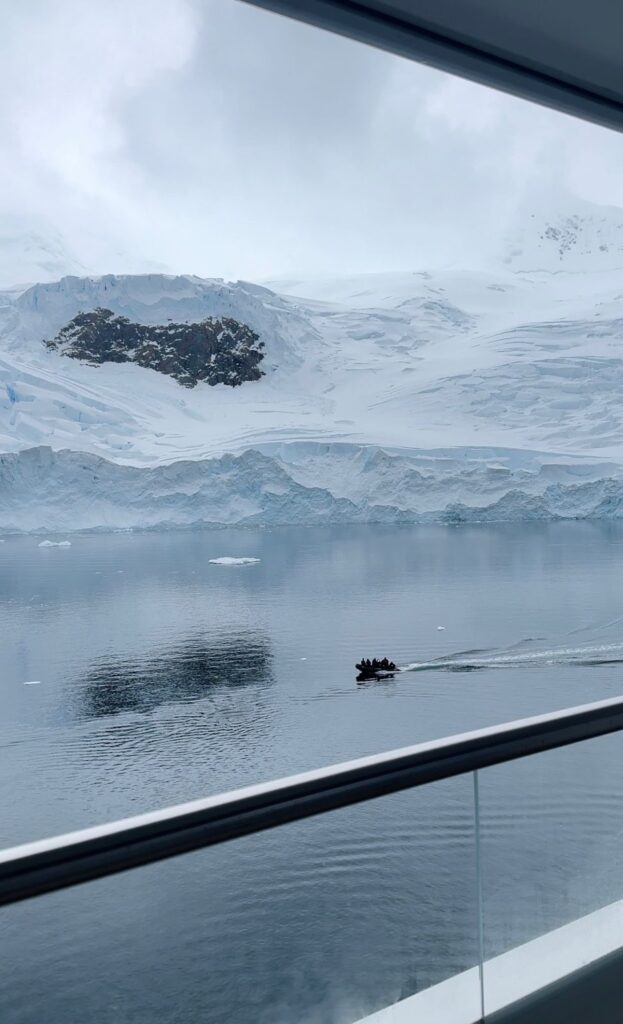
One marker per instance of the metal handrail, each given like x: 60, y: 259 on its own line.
x: 51, y: 864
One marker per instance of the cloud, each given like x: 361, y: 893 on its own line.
x: 70, y: 70
x: 218, y: 139
x: 67, y: 71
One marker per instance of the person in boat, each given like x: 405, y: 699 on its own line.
x: 370, y: 668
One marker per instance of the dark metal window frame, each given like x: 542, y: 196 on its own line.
x: 374, y: 25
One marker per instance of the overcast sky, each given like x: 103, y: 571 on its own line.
x: 217, y: 139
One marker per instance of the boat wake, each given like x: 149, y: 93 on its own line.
x: 523, y: 655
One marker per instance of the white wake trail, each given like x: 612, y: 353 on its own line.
x: 465, y: 661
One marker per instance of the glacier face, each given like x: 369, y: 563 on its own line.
x: 305, y: 484
x: 410, y: 397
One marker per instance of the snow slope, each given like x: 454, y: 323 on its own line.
x: 33, y: 251
x: 394, y: 397
x: 560, y: 233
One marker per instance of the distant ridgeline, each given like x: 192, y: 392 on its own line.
x: 218, y: 351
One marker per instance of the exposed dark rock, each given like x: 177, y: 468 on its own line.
x: 217, y: 351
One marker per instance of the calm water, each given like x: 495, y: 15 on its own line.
x: 161, y: 677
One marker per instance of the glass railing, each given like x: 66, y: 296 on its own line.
x: 469, y: 882
x: 324, y: 920
x: 551, y: 837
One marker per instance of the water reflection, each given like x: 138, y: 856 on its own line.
x: 185, y: 672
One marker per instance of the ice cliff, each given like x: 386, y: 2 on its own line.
x: 45, y: 491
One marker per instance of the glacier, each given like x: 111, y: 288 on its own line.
x: 310, y: 485
x: 479, y: 395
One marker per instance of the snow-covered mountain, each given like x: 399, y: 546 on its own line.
x: 411, y: 397
x: 34, y: 250
x: 31, y: 250
x: 559, y: 233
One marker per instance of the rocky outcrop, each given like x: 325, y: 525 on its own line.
x: 214, y: 350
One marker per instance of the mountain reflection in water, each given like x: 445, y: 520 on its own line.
x: 181, y: 673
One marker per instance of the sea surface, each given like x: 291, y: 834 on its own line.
x: 136, y: 674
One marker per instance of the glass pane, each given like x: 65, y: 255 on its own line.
x: 552, y: 874
x: 328, y: 920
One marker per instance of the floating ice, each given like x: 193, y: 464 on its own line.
x: 55, y: 544
x: 441, y: 627
x: 228, y: 560
x: 32, y: 682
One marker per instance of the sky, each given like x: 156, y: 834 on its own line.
x: 213, y: 138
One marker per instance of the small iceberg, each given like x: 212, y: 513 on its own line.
x: 55, y: 544
x: 228, y: 560
x: 32, y: 682
x: 441, y: 627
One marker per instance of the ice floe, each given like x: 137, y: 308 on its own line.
x: 229, y: 560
